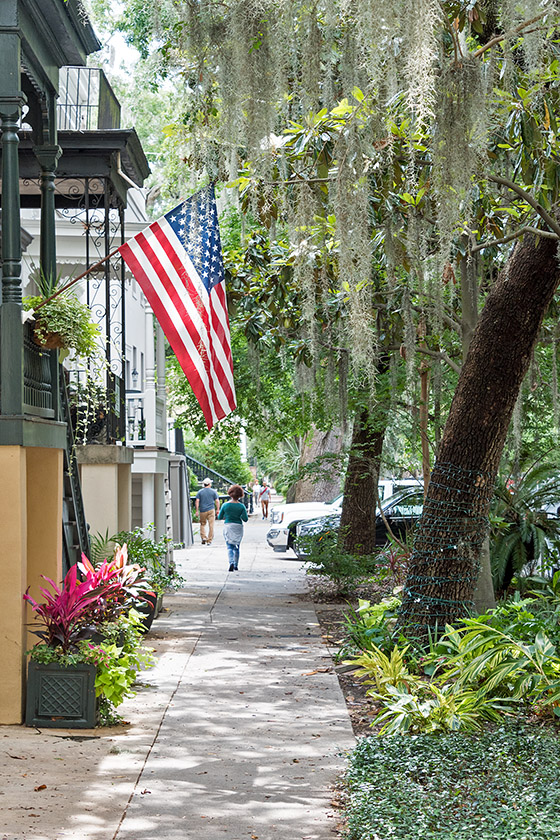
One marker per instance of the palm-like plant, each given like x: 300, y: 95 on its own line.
x: 521, y: 525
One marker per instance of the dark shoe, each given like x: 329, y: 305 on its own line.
x: 231, y: 567
x: 235, y: 569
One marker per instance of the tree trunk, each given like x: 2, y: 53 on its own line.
x: 357, y: 524
x: 445, y: 562
x: 322, y: 450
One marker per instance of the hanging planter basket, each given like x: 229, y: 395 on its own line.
x: 61, y: 696
x: 47, y: 340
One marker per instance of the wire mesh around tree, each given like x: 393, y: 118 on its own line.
x: 444, y: 565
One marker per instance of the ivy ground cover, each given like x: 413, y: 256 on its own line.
x: 499, y: 784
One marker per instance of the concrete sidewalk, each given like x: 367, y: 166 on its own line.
x: 237, y: 733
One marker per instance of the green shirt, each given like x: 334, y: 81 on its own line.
x: 233, y: 512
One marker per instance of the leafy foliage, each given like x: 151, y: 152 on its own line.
x: 370, y: 625
x: 502, y: 665
x: 499, y: 785
x: 343, y: 569
x: 521, y: 524
x: 64, y: 615
x: 152, y: 554
x: 70, y: 319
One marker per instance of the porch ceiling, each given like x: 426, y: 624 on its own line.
x: 85, y: 154
x: 52, y: 33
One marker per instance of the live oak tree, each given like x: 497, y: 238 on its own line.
x: 428, y: 129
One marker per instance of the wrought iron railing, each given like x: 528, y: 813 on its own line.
x: 38, y: 396
x: 98, y: 415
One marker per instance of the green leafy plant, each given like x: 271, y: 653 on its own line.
x: 521, y: 526
x: 501, y: 665
x: 433, y: 708
x: 144, y: 551
x: 383, y: 671
x: 345, y: 570
x: 118, y: 659
x: 65, y: 317
x: 499, y: 784
x: 371, y: 625
x: 411, y: 703
x: 117, y: 671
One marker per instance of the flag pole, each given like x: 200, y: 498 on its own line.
x: 75, y: 280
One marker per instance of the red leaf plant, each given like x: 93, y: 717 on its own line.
x: 126, y: 580
x: 74, y: 610
x: 65, y: 613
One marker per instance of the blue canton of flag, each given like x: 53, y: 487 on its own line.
x: 195, y: 222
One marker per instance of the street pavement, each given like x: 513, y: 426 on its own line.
x: 239, y: 732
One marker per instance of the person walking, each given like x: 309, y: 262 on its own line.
x: 265, y: 499
x: 207, y: 505
x: 234, y: 514
x: 256, y: 494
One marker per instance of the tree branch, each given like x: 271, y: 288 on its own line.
x: 439, y: 354
x: 527, y: 229
x: 545, y: 216
x: 451, y: 323
x: 515, y: 31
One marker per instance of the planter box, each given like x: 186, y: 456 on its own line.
x: 147, y: 609
x: 60, y: 696
x: 159, y: 604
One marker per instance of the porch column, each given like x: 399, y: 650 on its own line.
x: 148, y: 500
x: 11, y: 331
x: 48, y: 160
x: 161, y: 414
x: 150, y: 386
x: 48, y: 156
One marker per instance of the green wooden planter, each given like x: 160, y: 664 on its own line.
x: 60, y: 696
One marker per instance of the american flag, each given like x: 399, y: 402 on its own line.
x: 177, y: 262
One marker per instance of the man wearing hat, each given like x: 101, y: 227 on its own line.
x: 207, y: 505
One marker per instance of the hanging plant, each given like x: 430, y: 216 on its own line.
x: 61, y: 321
x: 64, y: 323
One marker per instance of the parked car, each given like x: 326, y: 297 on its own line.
x: 402, y: 511
x: 283, y: 519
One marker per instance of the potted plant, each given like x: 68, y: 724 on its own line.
x: 89, y: 644
x: 60, y: 320
x: 160, y: 573
x: 60, y: 680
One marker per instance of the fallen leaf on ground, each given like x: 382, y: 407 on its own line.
x: 40, y: 787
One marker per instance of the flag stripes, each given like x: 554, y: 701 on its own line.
x: 189, y: 299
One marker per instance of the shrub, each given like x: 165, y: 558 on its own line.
x: 371, y: 625
x: 343, y: 569
x: 499, y: 785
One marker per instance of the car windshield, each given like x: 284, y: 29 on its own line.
x: 337, y: 501
x: 415, y: 496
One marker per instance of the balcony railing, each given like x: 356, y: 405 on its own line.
x: 139, y: 430
x: 97, y: 413
x: 135, y: 420
x: 37, y: 378
x: 86, y: 101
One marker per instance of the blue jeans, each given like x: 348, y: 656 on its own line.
x: 233, y: 554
